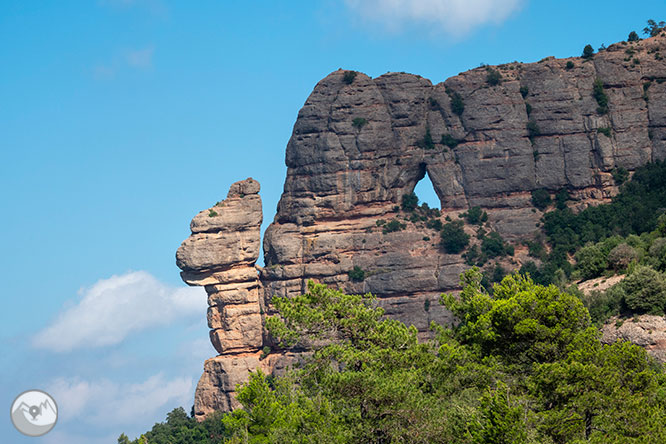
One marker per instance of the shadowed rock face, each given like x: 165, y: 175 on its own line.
x: 358, y: 147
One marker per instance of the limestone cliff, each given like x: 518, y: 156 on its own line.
x: 359, y: 144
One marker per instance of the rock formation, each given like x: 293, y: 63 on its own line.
x: 648, y: 331
x: 359, y: 144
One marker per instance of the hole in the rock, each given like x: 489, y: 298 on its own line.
x: 426, y: 192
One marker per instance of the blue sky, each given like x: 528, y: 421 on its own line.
x: 121, y: 119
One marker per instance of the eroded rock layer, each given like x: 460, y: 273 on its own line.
x: 359, y: 144
x: 220, y: 255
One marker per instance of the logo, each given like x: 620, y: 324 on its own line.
x: 34, y: 413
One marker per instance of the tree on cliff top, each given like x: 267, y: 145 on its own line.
x: 653, y: 28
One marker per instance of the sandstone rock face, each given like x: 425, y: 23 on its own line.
x: 220, y: 255
x: 648, y: 331
x: 358, y: 147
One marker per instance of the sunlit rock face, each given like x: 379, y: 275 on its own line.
x: 359, y: 144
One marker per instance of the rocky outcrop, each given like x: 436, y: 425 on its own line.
x: 359, y: 144
x: 220, y: 255
x: 648, y: 331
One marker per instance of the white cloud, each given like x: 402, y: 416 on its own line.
x: 451, y: 16
x: 116, y: 307
x: 106, y: 403
x: 59, y: 436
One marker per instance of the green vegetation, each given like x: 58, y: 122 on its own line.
x: 624, y: 236
x: 475, y: 216
x: 265, y: 351
x: 392, y: 226
x: 569, y: 65
x: 357, y: 274
x: 645, y: 291
x: 457, y: 104
x: 588, y: 52
x: 494, y: 246
x: 653, y: 28
x: 434, y: 224
x: 590, y: 261
x: 212, y: 213
x: 182, y: 429
x: 541, y: 198
x: 533, y: 129
x: 524, y: 90
x: 621, y: 256
x: 528, y: 108
x: 600, y: 96
x: 523, y: 366
x: 606, y: 131
x: 620, y: 175
x: 410, y: 201
x: 493, y: 76
x: 427, y: 142
x: 450, y: 141
x: 359, y: 122
x: 349, y: 76
x: 633, y: 37
x: 633, y: 211
x: 454, y: 239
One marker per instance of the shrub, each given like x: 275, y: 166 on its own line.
x: 434, y: 224
x: 476, y: 216
x: 410, y: 201
x: 588, y: 52
x: 392, y: 226
x: 434, y: 104
x: 357, y: 274
x: 212, y: 213
x: 359, y: 122
x: 621, y: 256
x: 606, y: 131
x: 603, y: 305
x: 457, y: 104
x: 570, y: 65
x: 645, y: 291
x: 524, y: 90
x: 541, y: 198
x: 493, y: 77
x: 600, y: 96
x: 561, y: 199
x: 657, y: 253
x: 633, y: 37
x: 494, y: 246
x: 449, y: 140
x: 590, y: 261
x: 473, y: 256
x: 498, y: 273
x: 454, y: 239
x: 528, y: 108
x: 349, y: 77
x: 620, y: 175
x: 533, y: 129
x: 427, y: 142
